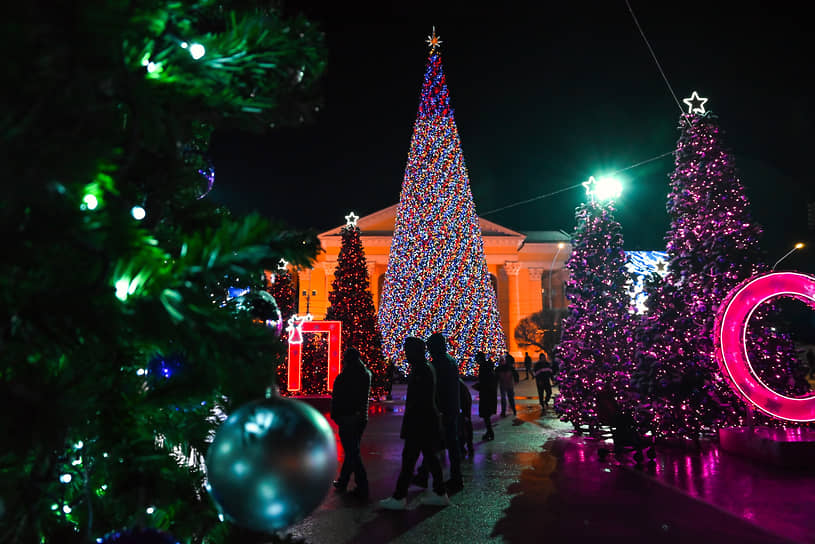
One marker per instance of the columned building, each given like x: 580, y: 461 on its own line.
x: 526, y: 269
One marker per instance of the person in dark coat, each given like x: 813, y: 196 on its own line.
x: 507, y: 378
x: 349, y: 409
x: 465, y: 421
x: 528, y: 365
x: 421, y: 430
x: 449, y: 403
x: 487, y: 387
x: 543, y: 379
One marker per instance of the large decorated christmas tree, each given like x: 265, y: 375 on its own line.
x: 713, y: 245
x: 595, y: 347
x: 352, y: 303
x: 116, y: 258
x: 437, y: 278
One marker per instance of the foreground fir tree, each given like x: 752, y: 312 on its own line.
x: 352, y: 303
x: 115, y: 257
x: 713, y: 245
x: 595, y: 347
x: 437, y: 278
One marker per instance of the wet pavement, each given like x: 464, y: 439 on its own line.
x: 538, y: 481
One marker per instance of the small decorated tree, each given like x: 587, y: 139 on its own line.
x: 352, y: 303
x: 594, y: 349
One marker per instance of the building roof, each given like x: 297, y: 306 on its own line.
x: 383, y: 223
x: 545, y: 236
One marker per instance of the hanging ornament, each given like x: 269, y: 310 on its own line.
x: 271, y: 463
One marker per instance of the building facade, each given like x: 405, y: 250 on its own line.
x: 527, y: 269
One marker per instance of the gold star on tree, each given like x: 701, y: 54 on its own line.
x: 433, y: 41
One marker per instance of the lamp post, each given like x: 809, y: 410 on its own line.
x: 799, y: 245
x: 560, y: 246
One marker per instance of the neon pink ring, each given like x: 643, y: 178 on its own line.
x: 730, y: 332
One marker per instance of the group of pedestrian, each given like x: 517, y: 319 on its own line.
x: 437, y: 416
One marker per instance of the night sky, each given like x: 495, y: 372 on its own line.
x: 543, y: 99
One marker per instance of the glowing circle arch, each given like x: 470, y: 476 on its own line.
x: 730, y: 333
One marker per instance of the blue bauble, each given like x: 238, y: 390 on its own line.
x: 271, y: 463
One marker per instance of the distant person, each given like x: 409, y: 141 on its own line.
x: 487, y: 387
x: 449, y: 402
x: 465, y: 420
x: 507, y: 377
x: 543, y: 379
x: 349, y: 409
x: 528, y: 365
x: 421, y: 430
x: 390, y: 377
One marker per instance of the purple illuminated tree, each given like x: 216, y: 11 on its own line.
x: 712, y: 245
x: 437, y: 278
x: 594, y: 349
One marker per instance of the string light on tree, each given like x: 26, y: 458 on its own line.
x: 197, y: 50
x: 138, y: 213
x: 695, y: 103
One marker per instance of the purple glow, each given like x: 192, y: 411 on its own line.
x: 731, y: 339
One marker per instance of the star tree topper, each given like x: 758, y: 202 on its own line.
x: 283, y: 265
x: 696, y: 104
x: 590, y: 185
x: 433, y: 41
x: 351, y: 220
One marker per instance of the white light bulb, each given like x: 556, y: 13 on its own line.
x: 184, y: 45
x: 152, y: 67
x: 90, y: 202
x: 79, y: 445
x: 66, y: 509
x: 150, y: 509
x: 138, y: 213
x: 197, y: 51
x: 65, y: 478
x: 121, y: 289
x: 140, y: 372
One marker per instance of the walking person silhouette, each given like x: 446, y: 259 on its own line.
x: 421, y: 430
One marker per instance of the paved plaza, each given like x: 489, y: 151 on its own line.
x: 539, y: 482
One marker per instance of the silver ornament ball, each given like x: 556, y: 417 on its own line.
x: 271, y: 463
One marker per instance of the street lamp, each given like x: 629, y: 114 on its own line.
x: 799, y: 245
x: 560, y: 246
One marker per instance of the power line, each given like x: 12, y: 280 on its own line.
x: 575, y: 186
x: 654, y: 56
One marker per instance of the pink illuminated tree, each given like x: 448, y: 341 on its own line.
x: 595, y: 346
x: 712, y: 245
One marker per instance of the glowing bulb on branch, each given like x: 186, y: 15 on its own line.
x: 138, y: 213
x: 197, y: 50
x: 89, y: 202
